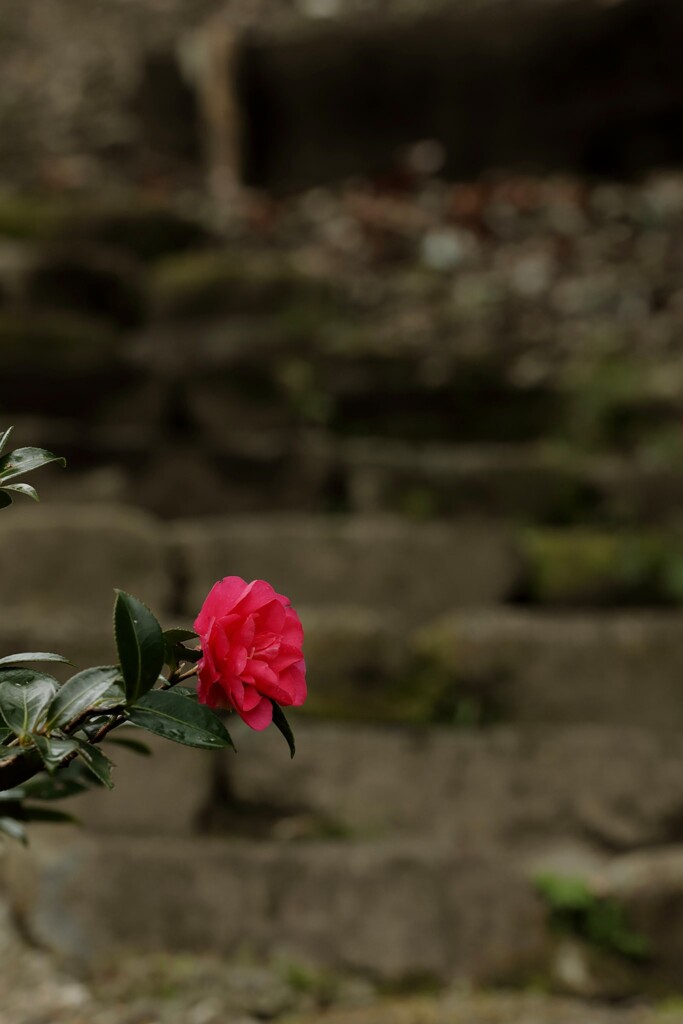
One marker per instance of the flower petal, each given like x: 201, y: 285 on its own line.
x: 257, y: 594
x: 250, y: 699
x: 260, y: 717
x: 293, y: 682
x: 293, y: 632
x: 271, y: 618
x: 219, y: 602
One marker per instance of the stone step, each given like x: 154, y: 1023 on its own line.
x: 614, y: 788
x: 63, y: 562
x: 310, y: 471
x: 508, y: 789
x: 468, y: 670
x: 488, y: 1008
x: 541, y: 667
x: 527, y: 483
x: 136, y: 227
x: 391, y: 911
x: 380, y: 563
x: 440, y: 385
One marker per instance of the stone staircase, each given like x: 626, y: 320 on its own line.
x: 467, y: 477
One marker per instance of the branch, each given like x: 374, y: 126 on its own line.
x: 21, y: 767
x: 16, y: 770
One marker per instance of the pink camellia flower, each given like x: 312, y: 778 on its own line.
x: 251, y: 650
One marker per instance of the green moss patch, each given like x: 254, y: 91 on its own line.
x: 588, y: 567
x: 214, y: 282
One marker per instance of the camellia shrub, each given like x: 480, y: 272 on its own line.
x: 244, y: 655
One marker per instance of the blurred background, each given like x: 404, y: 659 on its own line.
x: 381, y: 302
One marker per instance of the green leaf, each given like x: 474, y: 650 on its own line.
x: 25, y: 489
x: 47, y: 814
x: 13, y: 828
x: 5, y: 734
x: 24, y: 698
x: 175, y: 652
x: 187, y: 654
x: 53, y: 749
x: 98, y: 763
x: 140, y: 644
x: 186, y: 691
x: 173, y: 716
x: 179, y: 636
x: 281, y: 723
x: 135, y: 745
x: 5, y: 499
x: 18, y: 659
x: 46, y: 787
x: 25, y: 460
x: 4, y: 437
x: 79, y: 693
x: 112, y: 698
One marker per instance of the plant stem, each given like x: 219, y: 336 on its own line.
x: 21, y: 767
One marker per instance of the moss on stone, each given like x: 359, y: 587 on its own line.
x: 141, y: 228
x: 149, y: 231
x: 213, y: 282
x: 32, y: 218
x: 58, y: 344
x: 588, y: 567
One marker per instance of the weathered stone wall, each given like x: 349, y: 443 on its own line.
x: 446, y: 420
x: 98, y: 94
x: 448, y: 426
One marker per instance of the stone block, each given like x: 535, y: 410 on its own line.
x: 472, y: 1007
x: 391, y: 911
x: 356, y: 661
x: 504, y: 788
x: 215, y: 282
x: 83, y: 642
x: 442, y: 480
x: 528, y: 668
x: 162, y: 795
x: 64, y: 562
x: 648, y: 885
x: 382, y: 563
x: 140, y: 228
x: 59, y: 361
x: 88, y: 280
x: 528, y: 483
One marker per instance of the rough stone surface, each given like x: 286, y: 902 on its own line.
x: 619, y: 788
x: 64, y: 562
x: 356, y: 660
x: 161, y: 795
x: 525, y: 482
x: 491, y: 1009
x: 83, y: 643
x: 380, y: 563
x: 622, y: 667
x: 650, y: 887
x: 392, y: 911
x: 204, y: 989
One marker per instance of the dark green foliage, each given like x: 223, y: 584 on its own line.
x: 79, y: 694
x: 140, y: 645
x: 281, y: 723
x: 25, y: 697
x: 598, y: 920
x: 15, y: 464
x: 177, y: 718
